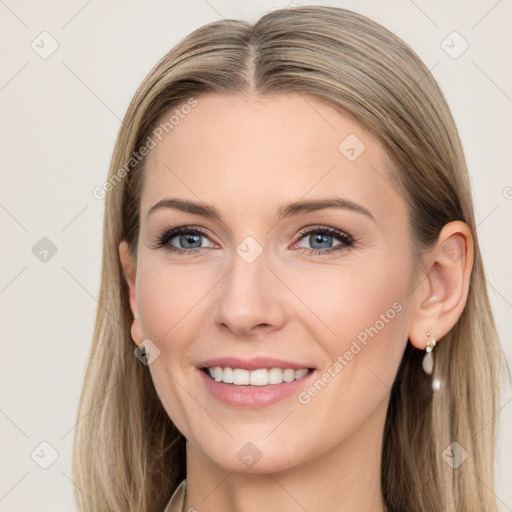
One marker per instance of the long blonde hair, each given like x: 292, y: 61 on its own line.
x: 128, y: 455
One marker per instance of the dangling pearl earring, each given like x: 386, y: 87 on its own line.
x: 428, y: 359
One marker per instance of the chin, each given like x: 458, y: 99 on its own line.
x: 260, y: 457
x: 270, y: 464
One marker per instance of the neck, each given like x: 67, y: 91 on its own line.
x: 344, y: 478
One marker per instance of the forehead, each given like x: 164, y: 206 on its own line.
x: 251, y: 152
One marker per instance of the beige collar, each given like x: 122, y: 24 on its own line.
x: 177, y: 501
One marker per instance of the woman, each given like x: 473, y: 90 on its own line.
x: 293, y: 305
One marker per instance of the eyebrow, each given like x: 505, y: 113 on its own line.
x: 289, y: 210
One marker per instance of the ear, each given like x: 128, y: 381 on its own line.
x: 129, y: 267
x: 441, y: 296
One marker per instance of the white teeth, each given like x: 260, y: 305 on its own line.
x: 240, y: 377
x: 289, y: 375
x: 300, y: 373
x: 260, y: 377
x: 275, y: 376
x: 227, y: 376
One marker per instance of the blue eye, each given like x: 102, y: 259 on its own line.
x: 190, y: 238
x: 325, y: 235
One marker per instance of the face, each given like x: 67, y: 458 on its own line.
x: 322, y: 293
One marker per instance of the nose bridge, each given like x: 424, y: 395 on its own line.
x: 248, y: 294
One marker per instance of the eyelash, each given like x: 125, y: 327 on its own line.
x: 346, y: 240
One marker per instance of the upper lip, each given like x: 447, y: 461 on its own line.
x: 254, y: 363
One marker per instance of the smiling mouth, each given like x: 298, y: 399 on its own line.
x: 259, y: 377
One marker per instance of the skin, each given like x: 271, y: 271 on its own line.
x: 266, y: 152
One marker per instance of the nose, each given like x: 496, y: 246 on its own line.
x: 250, y: 298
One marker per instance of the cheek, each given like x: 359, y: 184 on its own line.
x: 168, y: 298
x: 367, y: 316
x: 364, y: 313
x: 168, y: 295
x: 350, y: 297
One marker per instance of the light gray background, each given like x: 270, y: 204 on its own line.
x: 60, y: 117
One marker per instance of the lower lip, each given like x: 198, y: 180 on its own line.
x: 253, y: 397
